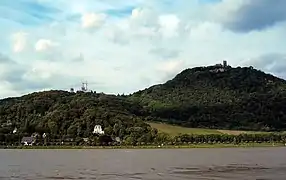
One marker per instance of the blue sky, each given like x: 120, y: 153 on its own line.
x: 122, y: 46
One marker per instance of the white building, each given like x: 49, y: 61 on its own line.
x: 98, y: 130
x: 15, y: 130
x: 44, y: 135
x: 28, y: 141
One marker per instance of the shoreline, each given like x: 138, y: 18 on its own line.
x: 190, y: 146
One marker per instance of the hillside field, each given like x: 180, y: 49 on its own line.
x: 175, y: 130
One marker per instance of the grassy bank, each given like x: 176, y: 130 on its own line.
x: 174, y: 130
x: 245, y: 145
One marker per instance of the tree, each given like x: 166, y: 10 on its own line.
x: 72, y: 131
x: 53, y: 126
x: 108, y: 130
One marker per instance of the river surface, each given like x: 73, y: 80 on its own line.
x: 155, y: 164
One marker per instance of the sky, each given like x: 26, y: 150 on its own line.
x: 121, y: 46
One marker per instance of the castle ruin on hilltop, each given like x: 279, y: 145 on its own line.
x: 220, y: 67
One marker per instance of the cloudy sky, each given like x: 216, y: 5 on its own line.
x: 121, y: 46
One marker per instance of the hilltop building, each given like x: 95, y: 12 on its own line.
x: 224, y: 63
x: 220, y: 67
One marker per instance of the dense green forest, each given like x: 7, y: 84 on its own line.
x: 233, y: 98
x: 65, y: 115
x: 208, y: 97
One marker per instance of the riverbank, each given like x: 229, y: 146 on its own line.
x: 246, y: 145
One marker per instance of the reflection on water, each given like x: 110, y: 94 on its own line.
x: 215, y: 164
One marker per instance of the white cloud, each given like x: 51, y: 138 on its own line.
x: 44, y: 44
x: 142, y: 14
x: 219, y: 11
x: 41, y: 71
x: 169, y: 25
x: 92, y: 20
x: 171, y: 66
x: 144, y: 45
x: 19, y: 41
x: 205, y: 31
x: 144, y: 17
x: 6, y: 90
x: 136, y: 13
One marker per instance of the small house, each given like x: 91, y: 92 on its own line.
x: 98, y: 130
x: 28, y: 141
x: 15, y: 130
x: 44, y: 135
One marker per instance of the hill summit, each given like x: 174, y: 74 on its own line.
x: 218, y: 97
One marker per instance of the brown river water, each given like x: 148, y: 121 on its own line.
x: 155, y: 164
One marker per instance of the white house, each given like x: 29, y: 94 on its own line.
x: 15, y: 130
x: 28, y: 141
x: 98, y: 130
x: 44, y: 135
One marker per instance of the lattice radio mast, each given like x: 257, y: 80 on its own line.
x: 84, y: 86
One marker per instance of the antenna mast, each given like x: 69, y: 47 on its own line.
x: 84, y: 86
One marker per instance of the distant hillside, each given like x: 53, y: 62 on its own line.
x: 68, y: 115
x: 214, y: 97
x: 218, y: 97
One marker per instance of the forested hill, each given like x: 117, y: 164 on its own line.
x: 210, y: 97
x: 68, y: 115
x: 218, y: 97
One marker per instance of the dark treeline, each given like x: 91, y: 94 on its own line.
x: 157, y: 139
